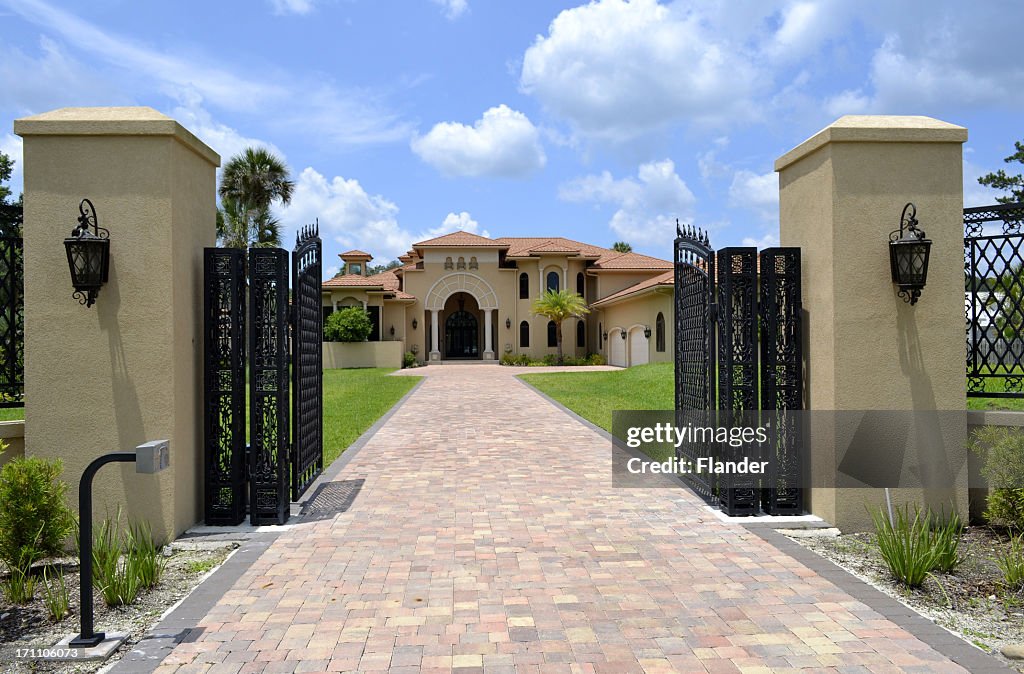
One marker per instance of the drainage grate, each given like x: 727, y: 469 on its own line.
x: 330, y: 499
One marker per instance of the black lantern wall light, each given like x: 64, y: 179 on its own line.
x: 908, y: 255
x: 88, y: 255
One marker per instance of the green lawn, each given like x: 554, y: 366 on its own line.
x: 353, y: 401
x: 593, y: 395
x: 12, y: 413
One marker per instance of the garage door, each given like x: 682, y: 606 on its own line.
x: 616, y: 349
x: 638, y: 350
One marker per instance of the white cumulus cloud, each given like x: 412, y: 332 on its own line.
x: 292, y: 6
x: 501, y: 143
x: 452, y: 9
x: 646, y: 206
x: 757, y: 192
x: 351, y: 217
x: 617, y: 69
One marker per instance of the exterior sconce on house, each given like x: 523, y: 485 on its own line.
x: 392, y: 331
x: 414, y: 323
x: 908, y: 255
x: 622, y: 333
x: 647, y: 331
x: 508, y: 323
x: 88, y: 255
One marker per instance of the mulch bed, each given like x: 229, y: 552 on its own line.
x: 30, y: 627
x: 970, y: 601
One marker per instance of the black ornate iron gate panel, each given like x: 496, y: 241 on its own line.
x: 737, y: 365
x: 994, y: 300
x: 695, y: 374
x: 738, y: 359
x: 224, y: 385
x: 12, y: 308
x: 307, y: 361
x: 269, y: 408
x: 782, y: 379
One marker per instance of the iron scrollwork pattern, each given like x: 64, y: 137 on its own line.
x: 994, y: 301
x: 782, y: 383
x: 307, y: 361
x: 224, y: 385
x: 737, y: 366
x: 695, y: 344
x: 268, y: 394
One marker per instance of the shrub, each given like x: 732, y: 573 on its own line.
x: 905, y: 545
x: 143, y: 554
x: 945, y: 542
x: 516, y: 360
x: 1011, y: 563
x: 55, y: 596
x: 119, y: 582
x: 549, y: 359
x: 351, y: 324
x: 20, y: 586
x: 1003, y: 449
x: 409, y: 359
x: 35, y: 520
x: 596, y: 359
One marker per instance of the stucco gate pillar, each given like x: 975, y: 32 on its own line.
x: 841, y: 193
x: 128, y: 369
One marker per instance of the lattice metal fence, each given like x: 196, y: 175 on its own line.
x: 307, y: 365
x: 994, y: 300
x: 12, y: 308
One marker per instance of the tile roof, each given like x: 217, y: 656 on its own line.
x: 356, y: 253
x: 631, y: 261
x: 459, y: 238
x: 352, y: 281
x: 386, y: 280
x: 666, y: 279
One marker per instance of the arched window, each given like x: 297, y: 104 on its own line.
x: 581, y: 286
x: 553, y: 281
x: 448, y: 263
x: 581, y: 334
x: 600, y: 336
x: 659, y: 333
x: 524, y: 334
x: 473, y: 263
x: 552, y: 334
x: 461, y: 264
x: 524, y: 286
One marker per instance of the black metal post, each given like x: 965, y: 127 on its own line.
x: 86, y: 637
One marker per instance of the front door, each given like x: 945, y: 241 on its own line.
x: 460, y: 330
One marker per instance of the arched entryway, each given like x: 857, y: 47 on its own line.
x: 462, y: 330
x: 479, y: 299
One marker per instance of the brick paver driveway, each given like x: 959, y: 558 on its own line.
x: 487, y: 537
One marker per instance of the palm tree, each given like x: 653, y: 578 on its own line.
x: 250, y: 183
x: 558, y: 305
x: 622, y: 247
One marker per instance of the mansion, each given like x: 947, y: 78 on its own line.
x: 467, y: 297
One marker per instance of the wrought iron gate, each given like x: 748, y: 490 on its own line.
x: 224, y: 383
x: 283, y: 342
x: 307, y: 365
x: 994, y: 300
x: 739, y: 357
x: 12, y: 308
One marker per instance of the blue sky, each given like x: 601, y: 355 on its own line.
x: 404, y: 119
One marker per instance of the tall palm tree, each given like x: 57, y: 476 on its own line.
x: 558, y: 305
x: 622, y: 247
x: 250, y: 183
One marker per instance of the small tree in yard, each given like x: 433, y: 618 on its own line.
x: 1000, y: 180
x: 351, y: 324
x: 558, y: 305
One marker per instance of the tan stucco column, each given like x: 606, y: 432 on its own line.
x: 435, y: 347
x: 488, y: 351
x: 128, y: 369
x: 841, y: 193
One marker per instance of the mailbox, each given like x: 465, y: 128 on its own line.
x: 153, y: 456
